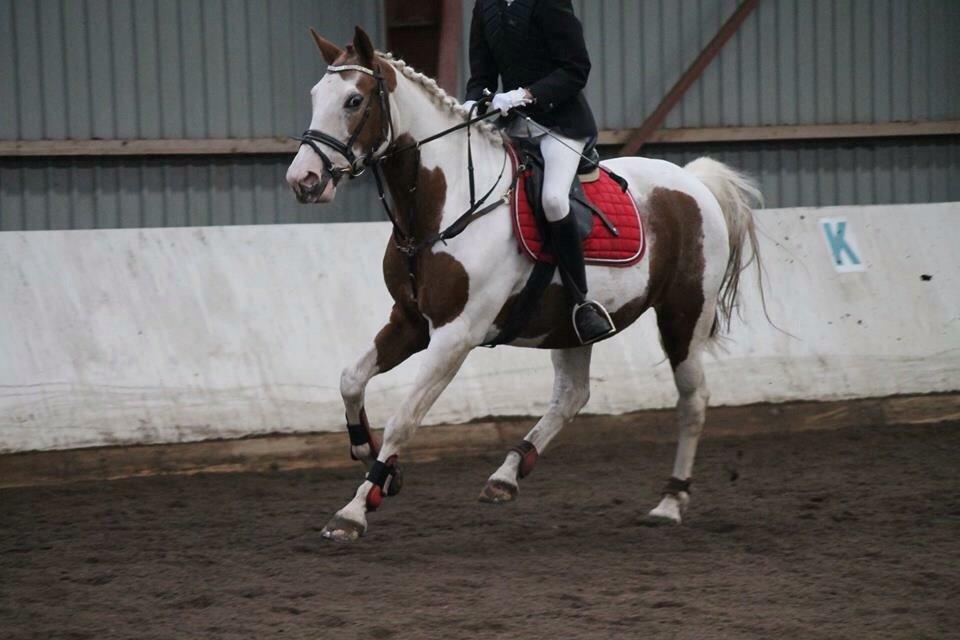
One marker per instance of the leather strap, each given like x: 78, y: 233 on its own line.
x: 386, y: 476
x: 358, y: 434
x: 676, y: 485
x: 379, y: 473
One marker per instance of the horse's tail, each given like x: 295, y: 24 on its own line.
x: 737, y: 194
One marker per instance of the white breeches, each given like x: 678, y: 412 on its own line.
x: 560, y: 166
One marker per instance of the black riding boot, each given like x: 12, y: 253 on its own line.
x: 590, y: 320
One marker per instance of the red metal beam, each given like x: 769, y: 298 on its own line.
x: 448, y: 67
x: 655, y: 119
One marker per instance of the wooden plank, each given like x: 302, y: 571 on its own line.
x: 655, y: 120
x: 208, y: 146
x: 449, y: 48
x: 788, y: 132
x: 494, y: 437
x: 261, y: 146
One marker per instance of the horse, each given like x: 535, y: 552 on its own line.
x: 372, y: 110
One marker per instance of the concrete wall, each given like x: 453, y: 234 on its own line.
x: 178, y: 334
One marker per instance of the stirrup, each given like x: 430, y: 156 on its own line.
x: 602, y: 312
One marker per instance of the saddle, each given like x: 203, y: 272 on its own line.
x: 606, y: 214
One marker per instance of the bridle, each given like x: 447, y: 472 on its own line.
x: 403, y: 239
x: 311, y: 137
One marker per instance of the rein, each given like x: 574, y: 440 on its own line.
x: 403, y: 240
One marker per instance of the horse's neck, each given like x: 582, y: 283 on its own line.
x: 419, y: 117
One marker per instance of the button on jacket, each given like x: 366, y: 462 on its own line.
x: 536, y: 44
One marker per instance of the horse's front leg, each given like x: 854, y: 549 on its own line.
x: 571, y: 390
x: 447, y: 350
x: 404, y: 335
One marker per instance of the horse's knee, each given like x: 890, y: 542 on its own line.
x: 351, y: 384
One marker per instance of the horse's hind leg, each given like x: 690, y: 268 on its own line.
x: 571, y: 390
x: 685, y: 351
x: 400, y: 338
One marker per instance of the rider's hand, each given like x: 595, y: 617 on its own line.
x: 504, y: 102
x: 468, y: 105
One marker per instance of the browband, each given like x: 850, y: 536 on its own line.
x: 351, y: 67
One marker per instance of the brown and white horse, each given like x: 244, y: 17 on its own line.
x: 697, y: 220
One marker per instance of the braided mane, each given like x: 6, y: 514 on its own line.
x: 441, y: 97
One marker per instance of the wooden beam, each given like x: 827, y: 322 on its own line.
x: 655, y: 119
x: 176, y: 147
x: 787, y: 132
x: 326, y: 450
x: 275, y: 146
x: 448, y: 62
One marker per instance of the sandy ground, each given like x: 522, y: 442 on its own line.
x: 850, y: 533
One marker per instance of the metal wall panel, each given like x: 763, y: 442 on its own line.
x: 839, y: 172
x: 792, y: 61
x: 243, y: 68
x: 165, y: 68
x: 89, y: 193
x: 121, y: 192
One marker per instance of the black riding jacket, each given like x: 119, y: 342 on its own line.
x: 536, y: 44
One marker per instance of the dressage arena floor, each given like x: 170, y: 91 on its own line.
x: 845, y: 533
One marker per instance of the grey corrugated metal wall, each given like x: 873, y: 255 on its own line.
x: 164, y: 69
x: 807, y: 174
x: 88, y: 193
x: 242, y: 68
x: 793, y: 62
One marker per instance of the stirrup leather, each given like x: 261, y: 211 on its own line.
x: 603, y: 312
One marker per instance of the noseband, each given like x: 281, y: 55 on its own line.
x: 311, y: 137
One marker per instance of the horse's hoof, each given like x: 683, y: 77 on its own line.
x: 667, y: 512
x: 343, y: 530
x: 658, y: 520
x: 498, y: 491
x: 396, y: 482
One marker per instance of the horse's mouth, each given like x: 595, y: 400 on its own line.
x: 319, y: 193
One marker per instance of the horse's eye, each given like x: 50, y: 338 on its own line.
x: 353, y: 101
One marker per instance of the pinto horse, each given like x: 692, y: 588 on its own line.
x: 369, y: 111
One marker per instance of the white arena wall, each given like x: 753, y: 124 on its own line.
x: 179, y: 334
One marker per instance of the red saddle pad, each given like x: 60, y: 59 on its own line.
x: 601, y: 247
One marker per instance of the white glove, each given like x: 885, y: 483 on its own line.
x: 469, y: 105
x: 503, y: 102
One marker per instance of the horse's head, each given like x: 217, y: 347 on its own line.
x: 350, y: 120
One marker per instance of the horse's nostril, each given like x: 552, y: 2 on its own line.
x: 310, y: 180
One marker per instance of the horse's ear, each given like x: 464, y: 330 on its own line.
x: 361, y: 42
x: 328, y: 50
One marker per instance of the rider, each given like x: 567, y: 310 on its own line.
x: 536, y: 48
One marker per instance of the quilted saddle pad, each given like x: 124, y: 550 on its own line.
x: 602, y: 246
